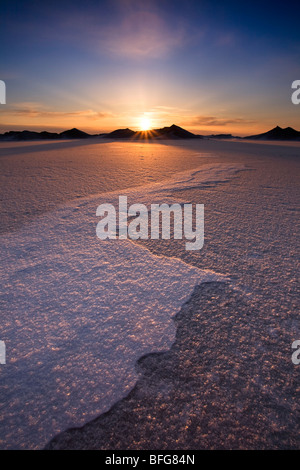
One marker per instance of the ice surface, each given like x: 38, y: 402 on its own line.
x: 78, y: 312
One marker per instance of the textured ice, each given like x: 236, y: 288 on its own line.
x: 78, y: 312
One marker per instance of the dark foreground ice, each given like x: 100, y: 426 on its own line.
x: 212, y: 390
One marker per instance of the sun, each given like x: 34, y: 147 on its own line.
x: 145, y: 124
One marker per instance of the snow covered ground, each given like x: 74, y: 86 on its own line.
x: 78, y: 312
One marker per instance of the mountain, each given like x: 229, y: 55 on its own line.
x: 120, y: 134
x: 44, y: 135
x: 222, y: 136
x: 27, y: 135
x: 278, y: 133
x: 74, y: 134
x: 172, y: 132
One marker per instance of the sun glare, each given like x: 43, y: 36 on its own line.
x: 145, y: 124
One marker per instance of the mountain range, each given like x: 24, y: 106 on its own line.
x: 171, y: 132
x: 278, y: 133
x: 44, y: 135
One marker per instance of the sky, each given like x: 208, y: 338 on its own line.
x: 208, y: 66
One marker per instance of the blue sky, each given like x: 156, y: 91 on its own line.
x: 99, y: 65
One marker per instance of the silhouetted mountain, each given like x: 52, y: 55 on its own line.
x: 48, y: 135
x: 175, y: 132
x: 74, y: 134
x: 44, y: 135
x: 120, y: 134
x: 223, y: 136
x: 278, y: 133
x: 172, y: 132
x: 26, y: 135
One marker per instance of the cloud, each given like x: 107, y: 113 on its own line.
x: 140, y: 34
x: 36, y: 110
x: 216, y: 121
x: 135, y: 31
x: 168, y: 109
x: 129, y: 29
x: 226, y: 39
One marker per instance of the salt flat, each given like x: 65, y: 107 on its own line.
x: 54, y: 290
x: 38, y: 176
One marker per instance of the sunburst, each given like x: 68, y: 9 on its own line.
x: 145, y: 124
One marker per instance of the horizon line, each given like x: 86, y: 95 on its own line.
x: 140, y: 131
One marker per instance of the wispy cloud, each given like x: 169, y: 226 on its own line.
x: 217, y: 121
x: 226, y: 39
x: 136, y: 30
x: 141, y: 34
x: 36, y: 110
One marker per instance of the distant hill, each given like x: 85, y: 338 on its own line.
x: 27, y: 135
x: 44, y: 135
x: 222, y: 136
x: 175, y: 132
x: 120, y: 134
x: 278, y: 133
x: 172, y: 132
x: 74, y: 134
